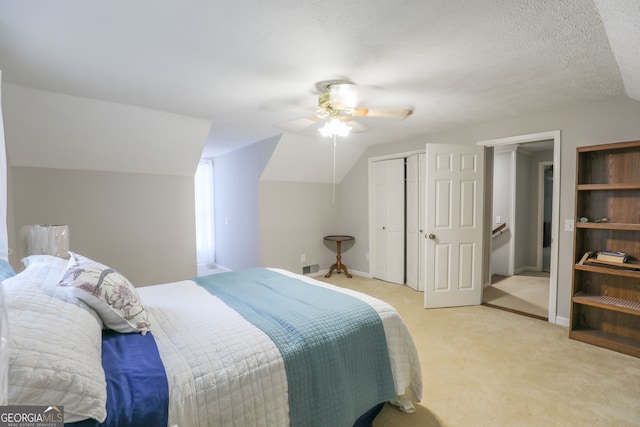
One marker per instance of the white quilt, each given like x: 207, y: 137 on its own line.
x: 224, y: 371
x: 55, y: 344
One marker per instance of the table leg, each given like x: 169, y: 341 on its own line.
x: 338, y: 266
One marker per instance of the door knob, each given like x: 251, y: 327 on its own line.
x: 432, y: 236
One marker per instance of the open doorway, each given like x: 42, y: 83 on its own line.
x: 525, y: 210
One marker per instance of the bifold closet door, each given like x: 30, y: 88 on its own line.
x: 415, y: 172
x: 388, y: 219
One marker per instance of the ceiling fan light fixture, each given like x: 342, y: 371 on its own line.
x: 344, y: 95
x: 335, y: 127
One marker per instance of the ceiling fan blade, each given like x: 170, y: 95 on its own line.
x: 384, y: 113
x: 355, y: 125
x: 299, y: 125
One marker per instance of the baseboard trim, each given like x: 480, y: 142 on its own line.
x: 562, y: 321
x: 526, y: 268
x: 361, y: 274
x: 353, y: 272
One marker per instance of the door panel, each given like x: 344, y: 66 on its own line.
x: 442, y: 254
x: 453, y: 223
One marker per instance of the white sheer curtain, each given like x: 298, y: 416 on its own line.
x: 205, y: 241
x: 4, y: 239
x: 4, y: 254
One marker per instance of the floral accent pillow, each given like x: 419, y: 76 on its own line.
x: 108, y: 292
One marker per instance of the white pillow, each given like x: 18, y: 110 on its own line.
x: 55, y: 344
x: 108, y: 292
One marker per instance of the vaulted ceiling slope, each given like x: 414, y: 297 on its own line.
x: 246, y: 66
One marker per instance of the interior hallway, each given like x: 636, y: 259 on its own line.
x: 526, y: 293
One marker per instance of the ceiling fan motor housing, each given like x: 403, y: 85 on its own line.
x: 339, y: 96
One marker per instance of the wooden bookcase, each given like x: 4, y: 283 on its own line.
x: 605, y: 304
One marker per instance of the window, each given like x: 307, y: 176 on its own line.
x: 4, y: 240
x: 205, y: 241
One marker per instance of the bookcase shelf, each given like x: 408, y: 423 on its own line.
x: 607, y: 340
x: 594, y: 268
x: 605, y: 303
x: 609, y: 303
x: 601, y: 187
x: 608, y: 226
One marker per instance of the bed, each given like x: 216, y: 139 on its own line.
x: 252, y: 347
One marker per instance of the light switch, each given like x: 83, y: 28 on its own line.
x: 568, y: 225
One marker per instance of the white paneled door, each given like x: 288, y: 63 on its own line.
x: 453, y: 225
x: 388, y: 220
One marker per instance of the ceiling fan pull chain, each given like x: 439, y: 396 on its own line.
x: 333, y: 200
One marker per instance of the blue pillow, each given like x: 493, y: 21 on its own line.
x: 6, y: 270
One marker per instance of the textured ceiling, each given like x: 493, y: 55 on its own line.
x: 248, y: 65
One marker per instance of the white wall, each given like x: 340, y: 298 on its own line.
x: 120, y: 176
x: 525, y: 214
x: 596, y: 123
x: 294, y: 218
x: 142, y: 225
x: 300, y: 158
x: 236, y: 204
x: 51, y: 130
x: 502, y: 191
x: 532, y: 190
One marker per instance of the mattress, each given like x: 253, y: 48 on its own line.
x: 224, y: 370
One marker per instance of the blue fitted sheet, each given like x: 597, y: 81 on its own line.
x: 137, y: 388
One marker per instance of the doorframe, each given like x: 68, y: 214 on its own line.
x: 554, y: 135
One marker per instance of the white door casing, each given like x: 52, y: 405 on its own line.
x: 454, y: 225
x: 554, y: 135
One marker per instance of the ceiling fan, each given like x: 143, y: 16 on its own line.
x: 338, y: 106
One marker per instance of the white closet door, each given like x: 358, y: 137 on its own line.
x: 413, y: 222
x: 388, y: 217
x: 422, y: 201
x: 379, y: 176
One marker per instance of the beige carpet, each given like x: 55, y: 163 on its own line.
x: 487, y: 367
x: 528, y: 293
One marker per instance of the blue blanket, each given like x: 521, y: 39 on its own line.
x: 137, y: 388
x: 333, y: 345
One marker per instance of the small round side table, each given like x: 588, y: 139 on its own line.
x: 338, y: 266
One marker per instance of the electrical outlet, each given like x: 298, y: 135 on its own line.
x: 303, y: 258
x: 498, y: 219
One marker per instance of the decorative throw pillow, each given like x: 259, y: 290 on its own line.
x: 108, y: 292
